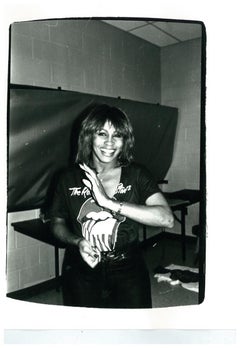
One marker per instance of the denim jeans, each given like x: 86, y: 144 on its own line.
x: 121, y: 283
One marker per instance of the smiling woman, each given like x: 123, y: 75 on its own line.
x: 103, y: 265
x: 108, y: 124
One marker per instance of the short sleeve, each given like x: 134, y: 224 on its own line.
x: 146, y: 184
x: 58, y: 206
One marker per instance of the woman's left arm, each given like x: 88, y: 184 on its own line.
x: 155, y: 212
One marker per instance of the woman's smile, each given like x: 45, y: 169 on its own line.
x: 107, y: 152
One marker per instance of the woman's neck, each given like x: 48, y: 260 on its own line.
x: 104, y: 167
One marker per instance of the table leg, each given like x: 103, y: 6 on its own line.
x: 56, y: 251
x: 183, y: 232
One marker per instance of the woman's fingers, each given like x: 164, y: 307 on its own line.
x: 89, y: 173
x: 86, y: 248
x: 91, y: 261
x: 88, y: 170
x: 89, y: 176
x: 94, y: 184
x: 87, y: 183
x: 85, y: 169
x: 91, y: 256
x: 92, y: 178
x: 89, y: 252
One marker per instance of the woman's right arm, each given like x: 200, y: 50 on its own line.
x: 63, y: 234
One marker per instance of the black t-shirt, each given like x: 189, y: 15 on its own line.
x: 73, y: 202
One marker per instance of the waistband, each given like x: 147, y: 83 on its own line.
x: 120, y: 254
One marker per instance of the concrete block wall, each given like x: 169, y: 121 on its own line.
x: 86, y: 56
x: 78, y: 55
x: 28, y: 261
x: 181, y: 87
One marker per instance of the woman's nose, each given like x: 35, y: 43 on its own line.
x: 109, y: 140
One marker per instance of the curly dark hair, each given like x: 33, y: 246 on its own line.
x: 96, y: 117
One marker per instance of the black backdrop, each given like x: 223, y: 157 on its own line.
x: 42, y: 130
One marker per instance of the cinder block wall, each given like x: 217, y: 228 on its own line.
x: 28, y: 261
x: 78, y: 55
x: 181, y: 87
x: 87, y: 56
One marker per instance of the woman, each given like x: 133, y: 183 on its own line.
x: 96, y: 212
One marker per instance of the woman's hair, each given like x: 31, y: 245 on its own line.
x: 97, y: 115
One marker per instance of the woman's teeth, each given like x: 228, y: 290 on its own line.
x: 108, y: 152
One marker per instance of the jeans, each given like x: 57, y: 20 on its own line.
x: 123, y: 283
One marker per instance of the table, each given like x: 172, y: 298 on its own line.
x: 180, y: 201
x: 40, y: 230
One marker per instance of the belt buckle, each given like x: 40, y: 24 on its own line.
x: 112, y: 256
x: 118, y: 257
x: 106, y: 255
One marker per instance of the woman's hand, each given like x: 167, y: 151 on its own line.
x: 90, y: 255
x: 95, y: 186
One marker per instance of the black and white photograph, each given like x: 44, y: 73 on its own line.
x: 119, y: 143
x: 106, y: 179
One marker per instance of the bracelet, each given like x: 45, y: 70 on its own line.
x: 120, y: 208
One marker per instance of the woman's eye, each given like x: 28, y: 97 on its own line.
x: 117, y: 135
x: 101, y: 134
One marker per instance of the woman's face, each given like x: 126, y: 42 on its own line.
x: 107, y: 145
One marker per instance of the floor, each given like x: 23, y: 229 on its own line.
x: 165, y: 252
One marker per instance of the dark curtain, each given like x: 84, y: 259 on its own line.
x: 42, y: 132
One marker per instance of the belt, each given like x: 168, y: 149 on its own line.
x: 118, y: 255
x: 113, y: 256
